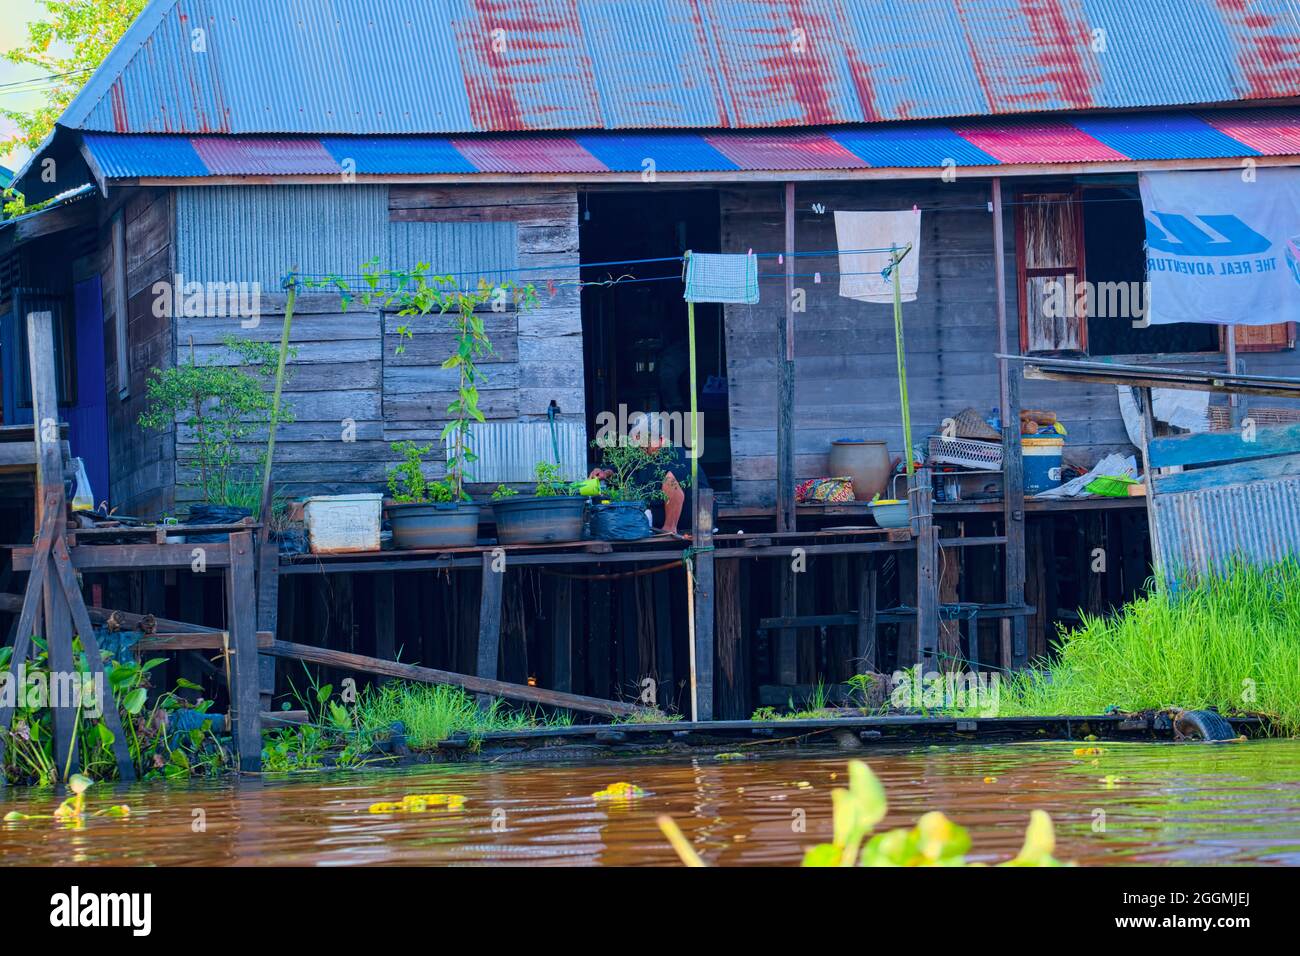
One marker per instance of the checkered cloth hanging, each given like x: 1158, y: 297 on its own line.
x: 719, y: 277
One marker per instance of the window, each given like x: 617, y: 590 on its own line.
x: 1081, y: 263
x: 1049, y: 241
x: 35, y: 300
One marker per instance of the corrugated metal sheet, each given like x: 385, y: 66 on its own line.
x: 258, y: 233
x: 1202, y: 530
x: 509, y: 451
x: 462, y: 66
x: 1273, y: 131
x: 455, y: 248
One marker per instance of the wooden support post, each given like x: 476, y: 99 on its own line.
x: 268, y: 605
x: 920, y: 497
x: 385, y: 608
x: 663, y: 611
x: 702, y: 543
x: 241, y: 624
x: 865, y: 646
x: 561, y: 614
x: 786, y: 639
x: 49, y: 494
x: 785, y: 504
x: 733, y: 674
x: 949, y: 574
x: 1013, y: 482
x: 489, y: 622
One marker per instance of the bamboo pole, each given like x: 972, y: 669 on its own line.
x: 279, y: 387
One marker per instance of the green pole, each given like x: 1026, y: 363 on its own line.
x: 896, y: 259
x: 292, y: 295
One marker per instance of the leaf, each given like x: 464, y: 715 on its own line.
x: 1040, y: 842
x: 134, y: 701
x: 823, y: 854
x: 106, y: 737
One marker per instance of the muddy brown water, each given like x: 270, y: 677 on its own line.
x: 1144, y: 803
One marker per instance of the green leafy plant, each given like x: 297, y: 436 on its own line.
x: 503, y: 491
x: 415, y: 292
x: 634, y: 470
x: 550, y: 481
x: 933, y: 841
x: 222, y: 406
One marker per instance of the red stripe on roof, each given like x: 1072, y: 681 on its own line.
x: 1273, y: 133
x: 532, y: 154
x: 784, y: 150
x: 1038, y: 143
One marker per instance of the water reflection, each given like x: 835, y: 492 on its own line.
x: 1133, y: 804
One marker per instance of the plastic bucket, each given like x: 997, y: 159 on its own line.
x: 1042, y: 463
x: 338, y: 523
x: 442, y: 525
x: 527, y: 519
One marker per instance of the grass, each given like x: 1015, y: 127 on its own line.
x: 434, y: 712
x: 1231, y: 641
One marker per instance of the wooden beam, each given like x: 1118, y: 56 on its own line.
x: 241, y: 621
x: 140, y: 557
x: 210, y: 641
x: 384, y: 596
x: 865, y: 646
x: 489, y: 618
x: 702, y: 542
x: 785, y: 503
x: 1207, y: 447
x: 429, y: 675
x: 13, y: 603
x: 561, y: 614
x: 1013, y: 482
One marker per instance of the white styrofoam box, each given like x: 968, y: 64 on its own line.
x: 337, y: 523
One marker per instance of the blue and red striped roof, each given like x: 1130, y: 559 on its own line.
x: 1104, y: 138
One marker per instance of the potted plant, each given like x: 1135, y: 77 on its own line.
x: 550, y: 513
x: 423, y: 513
x: 218, y: 407
x: 632, y: 473
x: 439, y: 514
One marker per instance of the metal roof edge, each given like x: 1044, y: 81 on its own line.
x: 113, y: 65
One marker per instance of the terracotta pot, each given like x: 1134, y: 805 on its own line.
x: 866, y: 462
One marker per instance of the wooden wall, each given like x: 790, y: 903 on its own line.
x: 141, y: 463
x: 845, y: 381
x: 351, y: 393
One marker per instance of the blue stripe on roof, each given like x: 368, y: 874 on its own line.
x: 671, y: 152
x: 398, y: 154
x: 1164, y: 136
x: 912, y: 146
x: 123, y: 157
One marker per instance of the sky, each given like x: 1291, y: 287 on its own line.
x: 13, y: 30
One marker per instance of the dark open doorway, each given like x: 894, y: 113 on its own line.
x: 634, y: 327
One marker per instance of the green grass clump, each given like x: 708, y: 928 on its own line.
x: 1231, y: 641
x: 434, y: 712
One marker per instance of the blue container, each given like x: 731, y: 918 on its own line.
x: 1042, y: 463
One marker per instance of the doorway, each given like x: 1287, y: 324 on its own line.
x: 634, y: 327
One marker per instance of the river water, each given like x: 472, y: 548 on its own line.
x: 1149, y: 803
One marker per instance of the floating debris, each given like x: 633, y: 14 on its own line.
x: 420, y: 802
x: 620, y: 791
x: 732, y: 755
x: 73, y: 809
x: 1089, y: 751
x: 990, y: 779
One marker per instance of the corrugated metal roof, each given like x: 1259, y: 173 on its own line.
x: 373, y: 67
x: 1139, y: 136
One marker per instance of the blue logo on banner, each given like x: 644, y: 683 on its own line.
x: 1180, y: 236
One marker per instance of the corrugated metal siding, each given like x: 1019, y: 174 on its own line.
x: 463, y: 66
x: 1201, y: 530
x: 455, y: 248
x: 509, y: 451
x: 257, y: 233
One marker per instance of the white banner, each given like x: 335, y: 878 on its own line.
x: 1223, y: 246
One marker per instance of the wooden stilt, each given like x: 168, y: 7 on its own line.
x: 241, y: 614
x: 489, y: 622
x: 268, y: 605
x: 561, y: 615
x: 702, y: 543
x: 732, y: 673
x: 865, y: 647
x: 385, y: 601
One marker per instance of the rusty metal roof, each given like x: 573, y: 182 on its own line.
x: 965, y: 144
x: 378, y: 67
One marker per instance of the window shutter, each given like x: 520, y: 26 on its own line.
x: 1261, y: 338
x: 1050, y: 267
